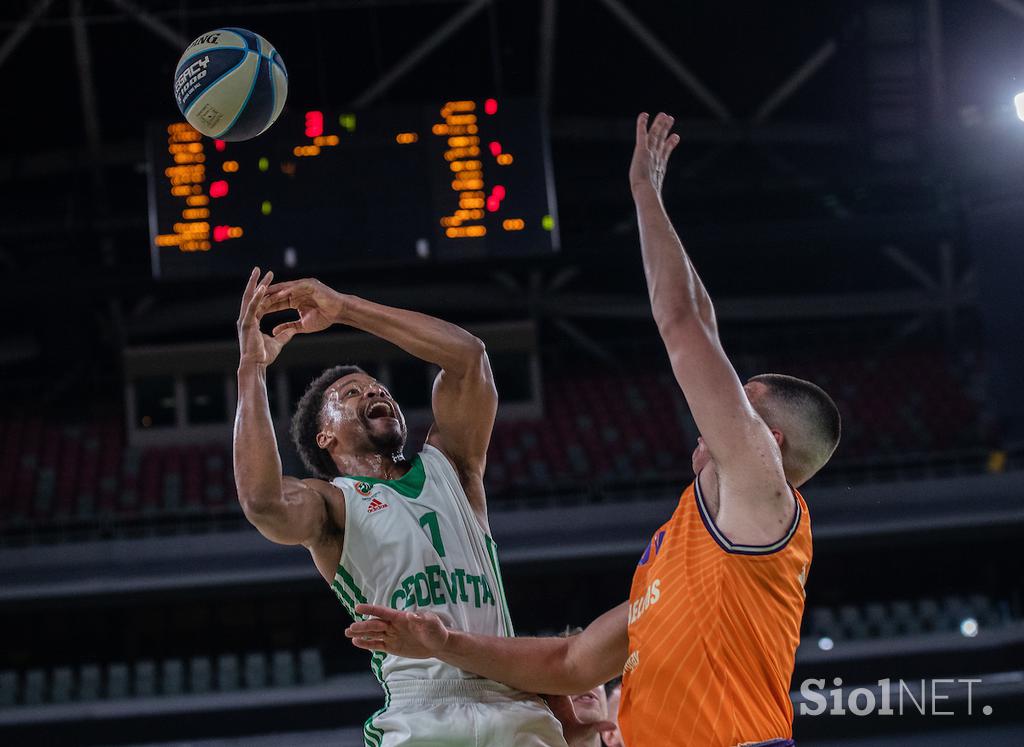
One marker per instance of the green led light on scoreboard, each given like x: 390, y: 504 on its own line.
x: 348, y: 121
x: 547, y: 223
x: 266, y: 207
x: 264, y: 163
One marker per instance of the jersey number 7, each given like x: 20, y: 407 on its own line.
x: 429, y: 522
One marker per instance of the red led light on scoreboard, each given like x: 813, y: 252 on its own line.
x: 220, y: 233
x: 491, y: 106
x: 218, y: 188
x: 498, y: 191
x: 314, y: 124
x: 495, y: 147
x: 493, y: 203
x: 219, y: 145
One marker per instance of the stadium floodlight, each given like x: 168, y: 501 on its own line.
x: 1019, y: 101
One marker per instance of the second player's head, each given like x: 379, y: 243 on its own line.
x: 346, y: 411
x: 803, y: 418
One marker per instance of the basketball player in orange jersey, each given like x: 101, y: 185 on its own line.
x: 707, y: 640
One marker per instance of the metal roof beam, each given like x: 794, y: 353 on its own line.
x: 792, y: 84
x: 669, y: 60
x: 413, y: 58
x: 151, y: 22
x: 21, y: 29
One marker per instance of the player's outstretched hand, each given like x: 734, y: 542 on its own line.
x: 318, y: 305
x: 652, y: 151
x: 414, y: 635
x: 254, y: 345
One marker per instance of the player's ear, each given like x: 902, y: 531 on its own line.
x: 779, y: 438
x: 324, y: 439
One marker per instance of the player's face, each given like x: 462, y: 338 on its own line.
x: 361, y: 414
x: 613, y: 738
x: 701, y: 456
x: 591, y: 706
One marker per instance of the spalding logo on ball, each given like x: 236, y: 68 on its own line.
x: 230, y: 84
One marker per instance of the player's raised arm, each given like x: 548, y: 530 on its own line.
x: 464, y: 401
x: 745, y: 451
x: 284, y: 509
x: 553, y: 666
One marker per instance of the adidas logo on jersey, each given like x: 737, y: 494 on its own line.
x: 375, y: 505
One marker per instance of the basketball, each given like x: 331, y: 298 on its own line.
x: 230, y: 84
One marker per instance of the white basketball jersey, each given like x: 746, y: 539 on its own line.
x: 415, y: 543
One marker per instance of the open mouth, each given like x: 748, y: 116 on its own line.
x: 585, y: 698
x: 380, y: 409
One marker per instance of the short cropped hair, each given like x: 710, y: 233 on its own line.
x: 306, y: 422
x: 807, y: 417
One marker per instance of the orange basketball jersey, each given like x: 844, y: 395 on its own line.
x: 713, y: 629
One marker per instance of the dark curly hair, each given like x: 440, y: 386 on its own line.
x: 306, y: 422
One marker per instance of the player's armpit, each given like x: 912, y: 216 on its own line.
x: 746, y: 452
x: 728, y: 423
x: 299, y: 516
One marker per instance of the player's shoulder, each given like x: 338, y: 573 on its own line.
x: 326, y: 489
x: 433, y: 457
x: 749, y: 516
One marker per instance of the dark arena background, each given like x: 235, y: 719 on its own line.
x: 850, y: 183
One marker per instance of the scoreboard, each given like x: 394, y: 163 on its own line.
x: 328, y: 190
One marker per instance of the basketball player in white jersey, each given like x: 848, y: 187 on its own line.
x: 408, y: 534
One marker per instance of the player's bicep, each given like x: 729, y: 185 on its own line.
x: 464, y: 407
x: 299, y: 517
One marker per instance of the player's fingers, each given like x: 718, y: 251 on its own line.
x: 284, y: 337
x: 287, y: 328
x: 641, y: 129
x: 250, y: 312
x: 367, y: 627
x: 247, y: 293
x: 652, y: 131
x: 659, y: 130
x: 286, y: 285
x: 369, y: 645
x: 253, y: 310
x: 376, y: 610
x: 667, y: 147
x: 276, y: 301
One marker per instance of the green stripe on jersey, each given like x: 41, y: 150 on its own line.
x: 492, y: 555
x: 372, y: 736
x: 350, y: 582
x: 410, y: 484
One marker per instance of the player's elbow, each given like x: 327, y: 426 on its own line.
x: 471, y: 358
x: 269, y: 521
x: 578, y: 672
x: 260, y: 507
x: 474, y: 350
x: 686, y: 324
